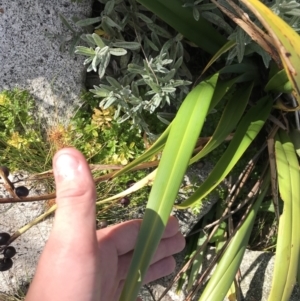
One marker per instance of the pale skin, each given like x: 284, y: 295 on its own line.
x: 81, y: 264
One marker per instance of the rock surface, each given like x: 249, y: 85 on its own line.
x: 257, y: 271
x: 30, y: 60
x: 256, y: 279
x: 30, y: 244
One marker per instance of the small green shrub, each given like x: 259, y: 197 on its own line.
x: 25, y: 145
x: 101, y: 138
x: 22, y: 146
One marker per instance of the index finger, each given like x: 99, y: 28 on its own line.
x: 123, y: 236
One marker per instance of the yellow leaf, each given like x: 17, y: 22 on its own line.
x: 285, y: 40
x: 3, y: 99
x: 284, y: 107
x: 16, y: 140
x: 232, y: 297
x: 99, y: 32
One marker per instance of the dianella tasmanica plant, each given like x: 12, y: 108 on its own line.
x: 251, y: 76
x: 245, y: 114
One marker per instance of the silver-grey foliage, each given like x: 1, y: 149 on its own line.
x: 140, y: 62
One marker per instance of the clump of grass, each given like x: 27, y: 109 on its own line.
x: 26, y: 145
x: 22, y: 143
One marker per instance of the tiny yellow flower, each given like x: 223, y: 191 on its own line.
x: 17, y: 141
x: 3, y: 99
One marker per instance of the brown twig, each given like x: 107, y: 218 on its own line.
x: 9, y: 186
x: 234, y: 192
x: 94, y: 167
x: 258, y: 35
x: 273, y: 170
x: 252, y: 194
x: 28, y: 199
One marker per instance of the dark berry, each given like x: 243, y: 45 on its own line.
x: 5, y: 264
x: 4, y: 237
x: 9, y: 252
x: 130, y: 183
x: 125, y: 201
x: 22, y: 191
x: 102, y: 224
x: 5, y: 170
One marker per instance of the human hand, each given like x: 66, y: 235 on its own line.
x: 80, y: 263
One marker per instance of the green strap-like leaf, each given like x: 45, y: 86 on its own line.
x: 226, y: 47
x: 184, y: 133
x: 226, y: 270
x: 279, y: 83
x: 230, y: 117
x: 200, y: 32
x: 288, y: 242
x: 295, y: 136
x: 221, y: 89
x: 246, y: 131
x: 197, y: 262
x: 284, y: 39
x: 88, y: 21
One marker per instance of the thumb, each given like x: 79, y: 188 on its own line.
x: 75, y: 197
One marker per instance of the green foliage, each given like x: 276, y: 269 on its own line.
x: 99, y: 57
x: 142, y: 62
x: 289, y: 11
x: 184, y: 132
x: 21, y: 140
x: 25, y: 145
x: 139, y: 59
x: 245, y: 46
x: 101, y: 138
x: 15, y: 115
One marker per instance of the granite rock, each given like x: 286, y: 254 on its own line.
x: 29, y: 245
x: 30, y: 60
x: 255, y: 282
